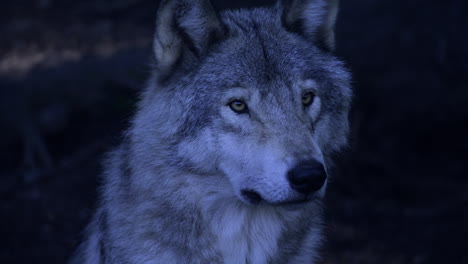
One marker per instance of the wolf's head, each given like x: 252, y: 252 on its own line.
x: 253, y: 98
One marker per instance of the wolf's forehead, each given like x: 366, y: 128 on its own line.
x: 264, y: 50
x: 259, y: 53
x: 246, y: 65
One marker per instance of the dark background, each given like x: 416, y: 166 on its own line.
x: 70, y: 70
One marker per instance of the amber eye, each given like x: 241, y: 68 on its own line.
x: 307, y: 99
x: 238, y: 106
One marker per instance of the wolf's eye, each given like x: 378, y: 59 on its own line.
x: 307, y: 99
x: 238, y: 106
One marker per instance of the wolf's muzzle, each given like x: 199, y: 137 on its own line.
x: 307, y: 176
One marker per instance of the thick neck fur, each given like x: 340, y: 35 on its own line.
x: 199, y: 218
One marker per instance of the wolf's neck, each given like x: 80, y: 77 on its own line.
x: 246, y: 235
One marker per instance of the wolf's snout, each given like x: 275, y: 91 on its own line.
x: 307, y: 177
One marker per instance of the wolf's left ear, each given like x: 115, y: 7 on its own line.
x: 184, y: 28
x: 314, y: 19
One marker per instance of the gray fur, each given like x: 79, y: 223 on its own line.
x: 171, y: 191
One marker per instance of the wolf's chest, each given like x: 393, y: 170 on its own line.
x: 246, y: 238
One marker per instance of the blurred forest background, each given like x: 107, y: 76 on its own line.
x: 70, y: 72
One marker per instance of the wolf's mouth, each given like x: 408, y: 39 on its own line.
x: 254, y: 198
x: 251, y: 196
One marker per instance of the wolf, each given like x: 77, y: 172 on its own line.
x: 227, y: 157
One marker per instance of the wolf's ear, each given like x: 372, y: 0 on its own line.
x: 183, y: 27
x: 315, y: 19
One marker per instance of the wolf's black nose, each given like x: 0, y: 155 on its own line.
x: 307, y: 176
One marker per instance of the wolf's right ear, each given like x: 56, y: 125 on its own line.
x: 183, y: 27
x: 313, y: 19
